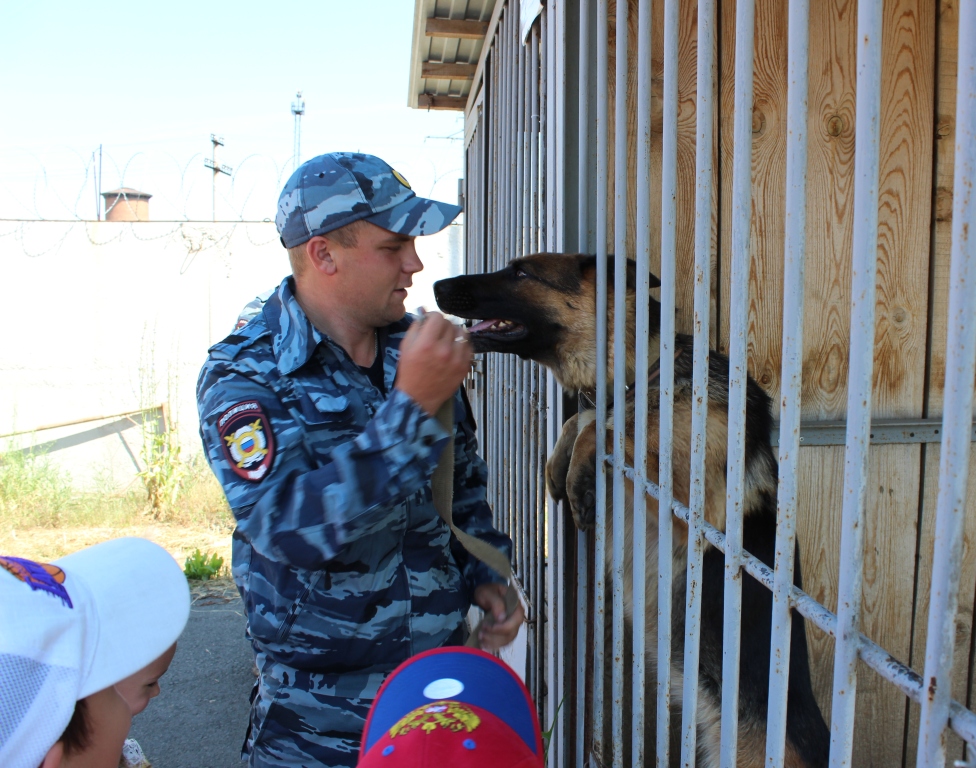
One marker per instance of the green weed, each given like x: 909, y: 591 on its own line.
x: 32, y: 489
x: 547, y: 735
x: 165, y: 471
x: 203, y: 567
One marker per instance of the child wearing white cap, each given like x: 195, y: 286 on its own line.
x: 69, y: 632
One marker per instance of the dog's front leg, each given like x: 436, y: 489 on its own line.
x: 581, y: 475
x: 558, y: 464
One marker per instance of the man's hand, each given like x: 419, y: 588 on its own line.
x: 491, y: 598
x: 435, y: 356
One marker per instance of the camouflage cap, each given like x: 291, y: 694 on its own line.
x: 330, y: 191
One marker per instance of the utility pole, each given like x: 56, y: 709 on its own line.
x: 211, y: 163
x: 298, y: 109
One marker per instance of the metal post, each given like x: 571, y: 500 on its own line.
x: 789, y: 440
x: 738, y: 375
x: 954, y: 459
x: 584, y: 244
x: 600, y: 518
x: 642, y: 354
x: 669, y: 223
x: 699, y: 410
x: 620, y: 340
x: 867, y: 118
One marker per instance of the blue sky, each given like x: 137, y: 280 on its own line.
x: 150, y: 82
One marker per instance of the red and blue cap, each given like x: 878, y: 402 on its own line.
x: 452, y: 706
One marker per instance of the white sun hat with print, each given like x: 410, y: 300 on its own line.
x: 76, y: 626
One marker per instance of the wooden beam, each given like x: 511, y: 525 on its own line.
x: 457, y: 28
x: 428, y: 101
x: 441, y: 71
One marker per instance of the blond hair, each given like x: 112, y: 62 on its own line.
x: 346, y: 237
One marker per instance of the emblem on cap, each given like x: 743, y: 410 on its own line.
x: 247, y: 440
x: 400, y: 178
x: 451, y: 715
x: 41, y: 577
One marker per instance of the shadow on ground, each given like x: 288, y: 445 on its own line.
x: 200, y: 716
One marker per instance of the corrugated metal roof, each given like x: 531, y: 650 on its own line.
x: 448, y: 36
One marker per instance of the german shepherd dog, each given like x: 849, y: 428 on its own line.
x: 543, y: 307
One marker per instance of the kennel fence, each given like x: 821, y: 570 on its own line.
x: 852, y: 159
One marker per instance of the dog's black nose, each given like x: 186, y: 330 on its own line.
x: 451, y: 297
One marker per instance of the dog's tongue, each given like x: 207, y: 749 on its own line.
x: 484, y: 325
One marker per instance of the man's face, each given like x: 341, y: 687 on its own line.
x: 373, y: 276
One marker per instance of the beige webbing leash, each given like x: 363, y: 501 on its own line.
x: 442, y: 482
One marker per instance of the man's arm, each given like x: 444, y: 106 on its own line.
x: 300, y: 510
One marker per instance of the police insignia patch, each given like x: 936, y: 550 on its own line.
x: 245, y: 435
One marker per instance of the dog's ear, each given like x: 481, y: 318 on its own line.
x: 655, y: 281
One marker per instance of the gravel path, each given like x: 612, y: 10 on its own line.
x: 200, y: 716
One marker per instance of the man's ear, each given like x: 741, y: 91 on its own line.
x: 320, y: 252
x: 53, y: 757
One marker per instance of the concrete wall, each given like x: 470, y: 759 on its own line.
x: 109, y: 317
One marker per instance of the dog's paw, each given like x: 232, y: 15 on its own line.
x: 558, y: 464
x: 581, y: 478
x: 581, y: 491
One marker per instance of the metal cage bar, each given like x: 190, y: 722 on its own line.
x: 738, y: 374
x: 865, y: 256
x: 620, y: 342
x: 584, y: 244
x: 669, y: 224
x: 704, y: 131
x: 641, y: 364
x: 600, y: 522
x: 794, y: 253
x: 954, y: 458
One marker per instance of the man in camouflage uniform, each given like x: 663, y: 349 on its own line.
x: 317, y: 417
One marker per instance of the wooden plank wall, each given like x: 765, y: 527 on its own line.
x: 916, y: 145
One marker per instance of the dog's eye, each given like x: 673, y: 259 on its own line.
x: 521, y: 273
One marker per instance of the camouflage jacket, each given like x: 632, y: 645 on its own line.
x: 341, y: 558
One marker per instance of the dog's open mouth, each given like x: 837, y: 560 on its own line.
x: 504, y: 330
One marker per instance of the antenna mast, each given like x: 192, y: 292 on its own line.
x: 298, y: 109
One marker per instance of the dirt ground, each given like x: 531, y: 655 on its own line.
x: 46, y: 544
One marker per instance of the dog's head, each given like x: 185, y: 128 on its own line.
x: 543, y: 307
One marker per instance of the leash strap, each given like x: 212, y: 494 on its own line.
x: 442, y: 486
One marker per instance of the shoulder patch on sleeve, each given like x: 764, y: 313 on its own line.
x: 246, y: 439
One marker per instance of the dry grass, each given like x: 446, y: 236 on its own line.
x: 42, y: 517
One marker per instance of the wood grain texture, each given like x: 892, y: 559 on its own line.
x: 769, y: 181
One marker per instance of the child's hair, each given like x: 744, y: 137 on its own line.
x: 77, y: 735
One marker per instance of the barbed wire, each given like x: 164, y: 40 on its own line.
x: 190, y: 236
x: 67, y: 185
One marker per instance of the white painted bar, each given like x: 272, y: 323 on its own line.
x: 789, y: 441
x: 642, y: 362
x: 620, y: 169
x: 738, y: 375
x: 600, y: 523
x: 669, y: 224
x: 583, y: 244
x: 863, y: 278
x: 958, y: 405
x: 704, y: 112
